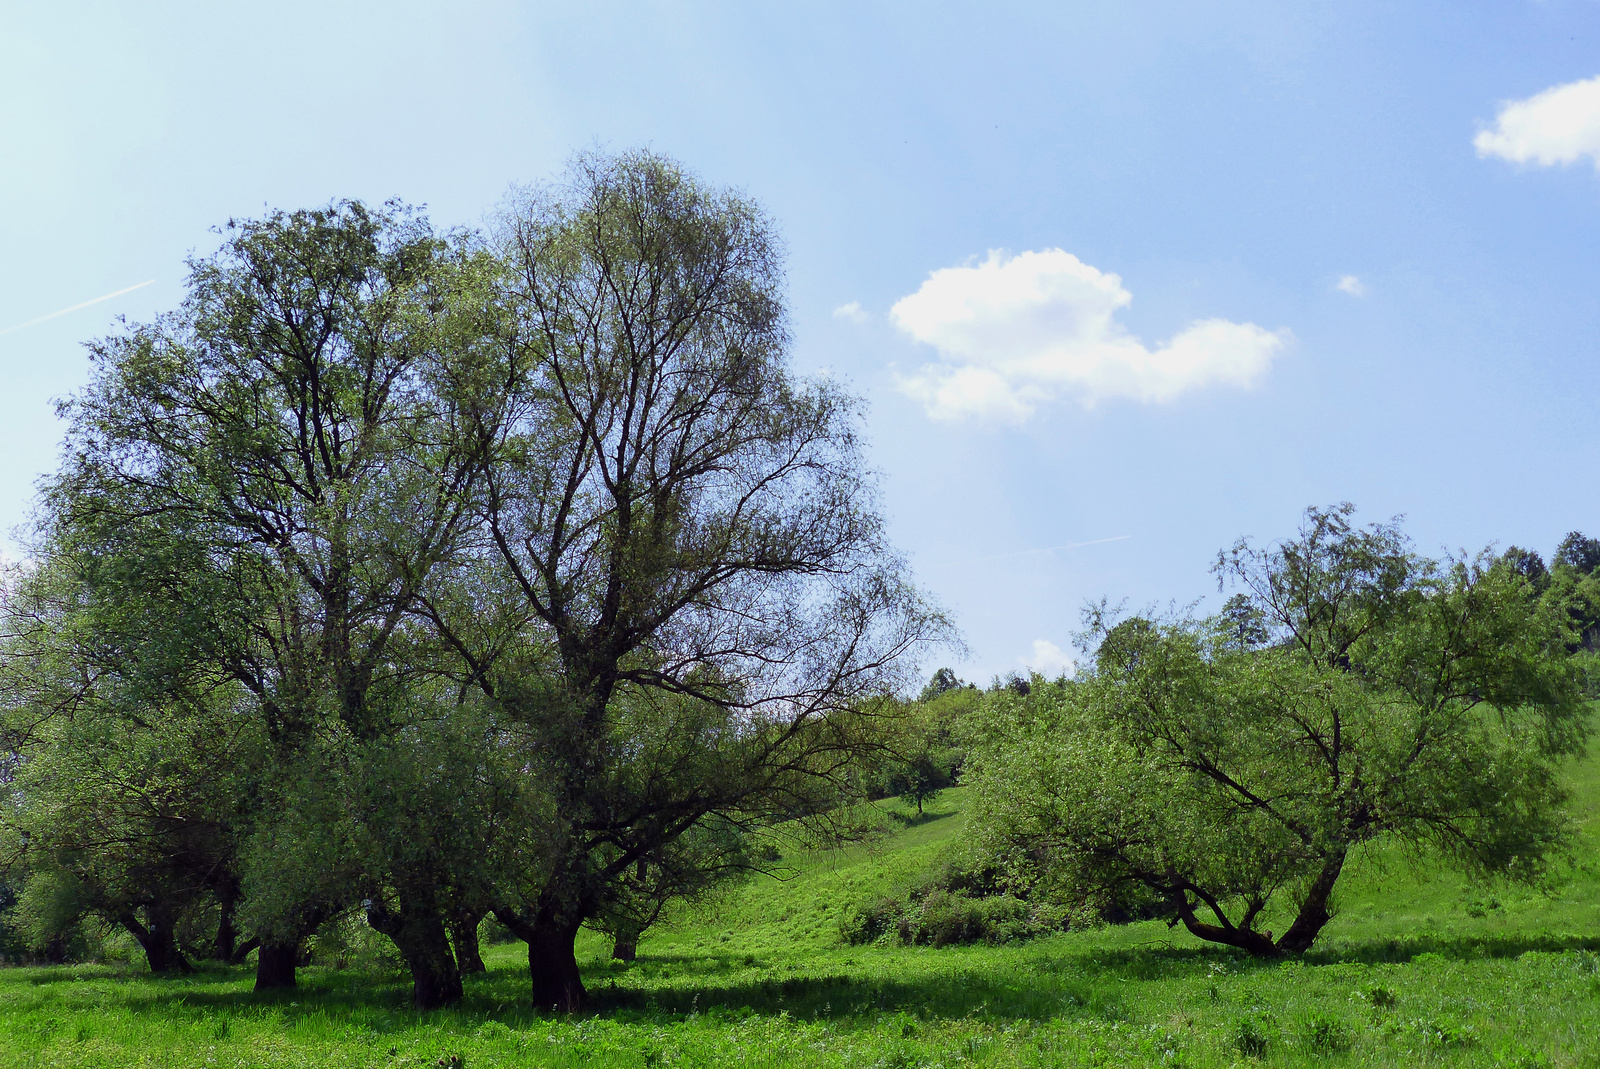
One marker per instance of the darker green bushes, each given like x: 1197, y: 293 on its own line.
x: 939, y: 918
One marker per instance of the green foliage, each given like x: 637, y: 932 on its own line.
x: 1579, y: 553
x: 430, y: 574
x: 942, y: 682
x: 1513, y: 989
x: 688, y: 530
x: 1396, y: 698
x: 1576, y: 594
x: 920, y: 778
x: 926, y: 748
x: 936, y: 917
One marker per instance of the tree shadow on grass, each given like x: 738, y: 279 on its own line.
x: 1401, y: 949
x: 204, y: 972
x: 917, y: 820
x: 1086, y: 983
x: 1083, y: 983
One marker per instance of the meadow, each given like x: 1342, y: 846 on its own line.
x: 1420, y: 967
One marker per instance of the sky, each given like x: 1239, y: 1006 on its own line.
x: 1119, y: 283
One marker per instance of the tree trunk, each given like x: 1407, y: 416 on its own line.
x: 243, y: 950
x: 418, y: 932
x: 275, y: 964
x: 227, y: 935
x: 626, y: 946
x: 553, y: 968
x: 1246, y: 939
x: 553, y: 973
x: 159, y: 941
x: 1314, y: 912
x: 464, y: 937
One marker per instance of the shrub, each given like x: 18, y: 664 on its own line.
x: 1250, y: 1036
x: 1327, y: 1035
x: 943, y: 918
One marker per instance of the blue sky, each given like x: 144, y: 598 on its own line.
x: 1128, y: 278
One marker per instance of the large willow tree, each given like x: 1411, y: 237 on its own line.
x: 538, y: 577
x: 285, y: 444
x: 684, y: 528
x: 1357, y: 692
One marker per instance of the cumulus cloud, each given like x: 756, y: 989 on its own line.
x: 1559, y: 125
x: 1014, y: 332
x: 852, y: 312
x: 1352, y: 285
x: 1048, y: 659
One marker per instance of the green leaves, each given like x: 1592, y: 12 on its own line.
x: 1391, y: 696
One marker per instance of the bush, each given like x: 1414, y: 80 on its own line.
x: 944, y: 918
x: 1251, y: 1036
x: 1327, y: 1035
x: 350, y: 942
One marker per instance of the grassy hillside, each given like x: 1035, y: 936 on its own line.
x: 1419, y: 968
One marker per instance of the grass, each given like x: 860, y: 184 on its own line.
x: 1419, y: 968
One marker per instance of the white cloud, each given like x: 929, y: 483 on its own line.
x: 1014, y: 332
x: 1048, y: 659
x: 1559, y: 125
x: 852, y: 312
x: 1352, y: 285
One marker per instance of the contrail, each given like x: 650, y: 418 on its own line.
x: 75, y: 307
x: 1049, y: 549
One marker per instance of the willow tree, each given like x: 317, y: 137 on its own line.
x: 291, y: 424
x: 1385, y: 697
x: 687, y: 530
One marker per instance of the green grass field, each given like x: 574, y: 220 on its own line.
x: 1419, y: 968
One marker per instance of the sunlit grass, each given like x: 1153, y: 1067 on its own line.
x: 1419, y: 968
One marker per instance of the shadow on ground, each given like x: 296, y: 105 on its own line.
x: 1072, y: 985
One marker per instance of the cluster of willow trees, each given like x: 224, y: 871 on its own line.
x: 1222, y: 772
x: 424, y: 576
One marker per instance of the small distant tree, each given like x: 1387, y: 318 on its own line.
x: 1396, y: 699
x: 1528, y: 564
x: 919, y: 779
x: 709, y: 857
x: 943, y: 680
x: 1573, y: 586
x: 1578, y: 552
x: 1244, y: 623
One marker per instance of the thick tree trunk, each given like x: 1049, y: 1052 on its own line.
x: 418, y: 932
x: 555, y: 982
x: 1314, y: 912
x: 275, y: 964
x: 553, y: 968
x: 159, y: 941
x: 464, y: 937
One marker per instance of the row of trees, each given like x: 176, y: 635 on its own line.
x: 438, y: 575
x: 1216, y: 770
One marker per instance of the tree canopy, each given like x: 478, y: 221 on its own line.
x: 440, y: 574
x: 1391, y: 696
